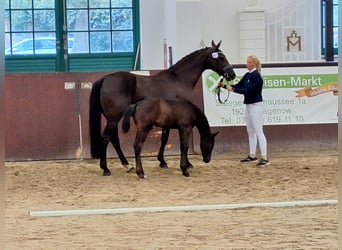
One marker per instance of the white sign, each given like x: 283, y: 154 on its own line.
x: 291, y: 96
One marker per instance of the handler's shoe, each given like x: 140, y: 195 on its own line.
x: 249, y: 159
x: 263, y: 163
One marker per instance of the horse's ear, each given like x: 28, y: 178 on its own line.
x: 215, y: 46
x: 219, y: 44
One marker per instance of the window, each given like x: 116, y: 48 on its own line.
x: 71, y: 35
x: 39, y: 45
x: 29, y: 24
x: 335, y: 26
x: 100, y: 26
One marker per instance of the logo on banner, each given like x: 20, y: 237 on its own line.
x: 211, y: 80
x: 310, y: 92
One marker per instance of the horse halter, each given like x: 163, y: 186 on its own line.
x: 226, y: 70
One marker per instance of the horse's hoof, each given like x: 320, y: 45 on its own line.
x: 107, y: 173
x: 186, y: 174
x: 163, y: 165
x: 141, y: 177
x: 129, y: 168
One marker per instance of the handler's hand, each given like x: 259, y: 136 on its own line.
x: 229, y: 88
x: 220, y: 84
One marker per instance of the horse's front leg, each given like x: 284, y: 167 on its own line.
x: 184, y: 161
x: 164, y: 138
x: 184, y: 147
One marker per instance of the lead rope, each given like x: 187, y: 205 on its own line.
x: 219, y: 92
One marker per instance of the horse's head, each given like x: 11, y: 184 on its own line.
x: 207, y: 145
x: 218, y: 62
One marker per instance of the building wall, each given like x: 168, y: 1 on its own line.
x: 190, y: 24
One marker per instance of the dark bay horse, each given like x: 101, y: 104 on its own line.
x: 112, y: 94
x: 169, y: 114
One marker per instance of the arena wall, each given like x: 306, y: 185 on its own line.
x: 47, y: 118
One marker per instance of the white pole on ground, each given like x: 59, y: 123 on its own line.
x: 180, y: 208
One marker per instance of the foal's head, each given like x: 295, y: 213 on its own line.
x: 218, y: 62
x: 207, y: 144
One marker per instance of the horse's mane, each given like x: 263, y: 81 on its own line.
x: 187, y: 57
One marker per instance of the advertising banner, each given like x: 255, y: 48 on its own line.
x: 291, y: 96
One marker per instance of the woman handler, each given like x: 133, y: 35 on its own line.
x: 251, y: 87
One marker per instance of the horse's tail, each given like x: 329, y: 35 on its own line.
x: 95, y: 111
x: 126, y: 122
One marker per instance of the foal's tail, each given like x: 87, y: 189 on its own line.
x: 95, y: 111
x: 126, y: 121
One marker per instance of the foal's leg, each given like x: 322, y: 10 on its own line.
x: 184, y: 147
x: 164, y: 138
x: 139, y: 141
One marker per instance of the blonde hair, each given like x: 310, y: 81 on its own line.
x: 257, y: 62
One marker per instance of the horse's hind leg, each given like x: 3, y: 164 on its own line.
x: 103, y: 157
x: 110, y: 134
x: 188, y: 163
x: 114, y: 139
x: 164, y: 138
x: 139, y: 141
